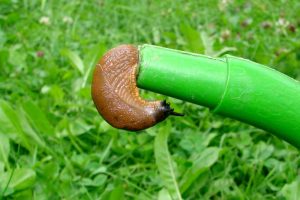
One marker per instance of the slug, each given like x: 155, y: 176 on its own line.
x: 116, y: 96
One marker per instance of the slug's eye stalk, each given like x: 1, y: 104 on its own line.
x: 116, y: 95
x: 165, y: 106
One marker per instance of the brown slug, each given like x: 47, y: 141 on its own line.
x: 116, y: 96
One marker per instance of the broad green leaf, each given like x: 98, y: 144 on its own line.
x: 262, y: 151
x: 106, y: 194
x: 22, y: 178
x: 74, y: 59
x: 17, y: 56
x: 7, y: 127
x: 14, y: 122
x: 29, y: 131
x: 206, y: 159
x: 98, y: 181
x: 164, y: 195
x: 192, y: 38
x: 195, y: 142
x: 117, y: 193
x: 50, y: 170
x: 113, y: 193
x: 66, y: 127
x: 202, y: 181
x: 291, y: 191
x: 17, y: 127
x: 25, y: 195
x: 4, y: 150
x: 57, y: 94
x: 16, y: 180
x: 164, y: 162
x: 37, y: 118
x: 3, y: 38
x: 4, y: 55
x: 91, y: 60
x: 9, y: 120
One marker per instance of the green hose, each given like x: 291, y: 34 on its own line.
x: 230, y: 86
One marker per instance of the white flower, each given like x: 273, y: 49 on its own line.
x: 67, y: 20
x: 282, y: 22
x: 45, y: 20
x: 223, y: 4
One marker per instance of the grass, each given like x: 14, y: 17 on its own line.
x: 54, y: 145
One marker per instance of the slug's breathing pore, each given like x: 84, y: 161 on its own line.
x: 116, y: 96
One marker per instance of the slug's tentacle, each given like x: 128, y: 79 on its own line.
x: 116, y: 95
x: 169, y: 110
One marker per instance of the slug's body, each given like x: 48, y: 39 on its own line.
x: 116, y: 95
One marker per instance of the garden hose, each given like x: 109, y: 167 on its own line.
x: 229, y: 86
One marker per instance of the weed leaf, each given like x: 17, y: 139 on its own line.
x: 16, y: 180
x: 291, y: 190
x: 11, y: 117
x: 37, y: 118
x: 164, y: 195
x: 164, y: 163
x: 117, y: 193
x: 203, y: 161
x: 192, y: 38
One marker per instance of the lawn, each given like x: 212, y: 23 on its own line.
x: 53, y: 143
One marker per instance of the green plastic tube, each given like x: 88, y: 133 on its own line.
x: 230, y: 86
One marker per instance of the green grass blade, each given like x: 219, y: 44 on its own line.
x: 74, y: 59
x: 91, y: 60
x: 164, y: 163
x: 4, y: 150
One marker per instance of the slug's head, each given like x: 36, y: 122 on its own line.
x: 164, y: 110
